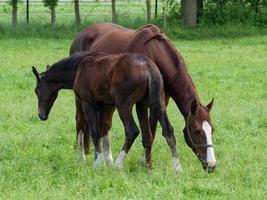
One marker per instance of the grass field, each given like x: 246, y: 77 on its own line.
x: 38, y: 159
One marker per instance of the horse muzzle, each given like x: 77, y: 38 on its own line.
x: 43, y: 116
x: 209, y: 166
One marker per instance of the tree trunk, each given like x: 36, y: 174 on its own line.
x: 113, y: 11
x: 53, y: 16
x: 14, y: 14
x: 199, y: 10
x: 148, y: 11
x: 189, y: 12
x: 77, y: 12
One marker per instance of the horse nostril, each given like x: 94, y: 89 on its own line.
x: 42, y: 116
x: 211, y: 167
x: 211, y: 164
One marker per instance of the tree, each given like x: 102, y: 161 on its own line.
x: 113, y: 11
x: 51, y: 4
x: 77, y: 12
x: 148, y: 11
x: 14, y: 4
x: 199, y: 9
x: 189, y: 12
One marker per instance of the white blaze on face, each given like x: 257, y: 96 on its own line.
x: 210, y: 151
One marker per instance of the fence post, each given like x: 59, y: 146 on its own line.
x: 148, y: 11
x: 27, y: 11
x: 156, y: 8
x: 113, y: 11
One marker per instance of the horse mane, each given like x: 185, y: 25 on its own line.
x: 66, y: 64
x: 175, y: 55
x: 181, y: 80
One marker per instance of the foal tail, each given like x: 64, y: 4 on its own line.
x: 155, y: 86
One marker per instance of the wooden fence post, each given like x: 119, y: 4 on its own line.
x: 27, y: 11
x: 113, y: 11
x: 148, y: 11
x: 156, y: 8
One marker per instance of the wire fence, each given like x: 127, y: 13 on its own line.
x: 93, y: 10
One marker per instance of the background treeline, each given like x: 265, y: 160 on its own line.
x: 64, y: 18
x: 186, y: 12
x: 252, y: 12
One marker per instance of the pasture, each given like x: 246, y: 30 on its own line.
x: 38, y: 159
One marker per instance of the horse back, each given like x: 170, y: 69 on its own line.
x: 114, y: 39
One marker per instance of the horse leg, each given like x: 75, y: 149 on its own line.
x: 153, y: 122
x: 147, y: 138
x: 131, y: 132
x: 91, y: 116
x: 167, y: 132
x: 106, y: 123
x: 81, y: 131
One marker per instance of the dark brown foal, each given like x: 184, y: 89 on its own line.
x: 121, y: 81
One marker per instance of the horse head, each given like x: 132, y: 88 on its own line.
x: 198, y: 134
x: 46, y: 94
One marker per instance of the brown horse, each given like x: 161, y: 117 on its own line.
x: 151, y: 42
x: 111, y: 80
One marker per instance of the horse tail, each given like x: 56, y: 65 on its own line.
x: 155, y: 85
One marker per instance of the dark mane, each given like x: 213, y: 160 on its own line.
x: 175, y: 55
x: 65, y: 65
x: 181, y: 80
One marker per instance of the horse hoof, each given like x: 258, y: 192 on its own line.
x: 118, y: 164
x: 109, y: 161
x: 81, y: 158
x: 142, y: 161
x: 178, y: 169
x: 98, y: 163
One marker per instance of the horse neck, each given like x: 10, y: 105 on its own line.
x: 63, y: 79
x: 182, y: 88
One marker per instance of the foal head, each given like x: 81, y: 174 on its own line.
x: 46, y: 94
x: 198, y: 134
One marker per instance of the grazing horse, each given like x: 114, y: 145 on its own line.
x: 154, y: 44
x: 61, y: 75
x: 111, y: 80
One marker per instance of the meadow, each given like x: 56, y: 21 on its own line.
x: 38, y: 160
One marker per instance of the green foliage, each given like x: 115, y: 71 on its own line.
x: 50, y: 3
x: 253, y: 12
x: 235, y: 11
x: 171, y: 9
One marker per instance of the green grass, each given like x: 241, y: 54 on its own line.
x: 38, y: 159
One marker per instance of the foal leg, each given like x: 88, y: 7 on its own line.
x: 131, y: 132
x: 106, y: 123
x: 91, y: 116
x: 153, y: 121
x: 167, y: 132
x: 153, y: 124
x: 147, y: 138
x: 81, y: 130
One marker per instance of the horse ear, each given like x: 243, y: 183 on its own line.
x: 194, y: 106
x: 34, y: 71
x: 209, y: 106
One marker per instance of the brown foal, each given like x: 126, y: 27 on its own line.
x: 122, y: 81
